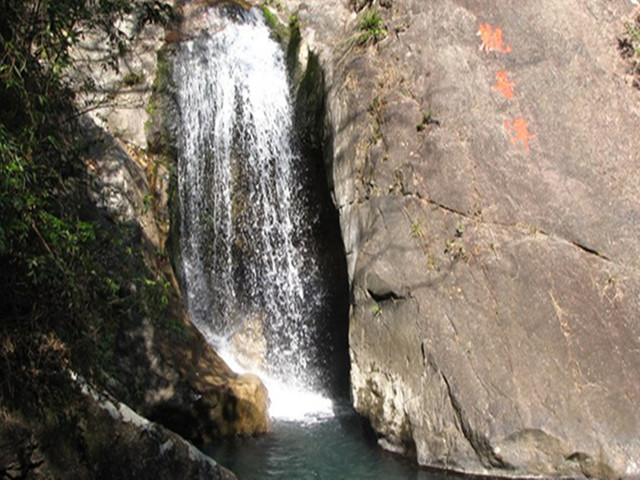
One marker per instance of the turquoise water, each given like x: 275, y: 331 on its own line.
x: 334, y: 448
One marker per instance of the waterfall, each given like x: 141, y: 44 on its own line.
x: 251, y: 281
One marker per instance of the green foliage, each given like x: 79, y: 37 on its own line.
x: 376, y: 310
x: 293, y: 45
x: 281, y: 32
x: 270, y: 18
x: 155, y: 294
x: 633, y: 35
x: 273, y: 3
x: 427, y: 120
x: 416, y: 230
x: 132, y: 79
x: 64, y: 284
x: 294, y: 21
x: 371, y: 27
x: 147, y: 201
x: 36, y: 38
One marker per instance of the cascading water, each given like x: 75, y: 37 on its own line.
x: 250, y: 276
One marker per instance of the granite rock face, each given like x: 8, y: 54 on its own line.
x: 483, y: 157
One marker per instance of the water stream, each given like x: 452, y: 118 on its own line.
x: 250, y: 273
x: 258, y: 282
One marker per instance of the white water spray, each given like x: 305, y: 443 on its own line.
x: 251, y: 282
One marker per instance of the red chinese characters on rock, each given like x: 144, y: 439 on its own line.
x: 518, y: 130
x: 504, y: 85
x: 492, y: 39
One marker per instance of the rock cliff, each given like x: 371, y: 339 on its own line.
x: 483, y: 159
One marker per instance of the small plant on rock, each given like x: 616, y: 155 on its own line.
x: 456, y: 251
x: 371, y: 28
x: 416, y: 230
x: 629, y: 46
x: 633, y: 34
x: 132, y: 79
x: 427, y: 120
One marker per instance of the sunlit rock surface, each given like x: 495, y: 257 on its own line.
x: 484, y: 159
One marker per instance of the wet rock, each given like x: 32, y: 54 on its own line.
x: 192, y: 17
x: 181, y: 382
x: 250, y: 343
x: 483, y: 162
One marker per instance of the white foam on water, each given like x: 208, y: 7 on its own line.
x: 294, y: 405
x: 288, y: 403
